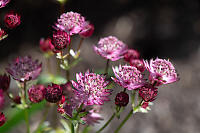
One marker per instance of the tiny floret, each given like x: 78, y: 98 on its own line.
x: 92, y: 87
x: 128, y: 77
x: 24, y: 69
x: 161, y: 71
x: 3, y: 34
x: 46, y: 45
x: 87, y: 30
x: 70, y: 22
x: 110, y: 48
x: 121, y: 99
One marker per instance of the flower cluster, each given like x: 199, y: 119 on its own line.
x: 12, y: 20
x: 24, y: 69
x: 110, y: 48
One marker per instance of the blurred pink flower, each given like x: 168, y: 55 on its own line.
x: 121, y: 99
x: 24, y: 69
x: 161, y: 71
x: 2, y: 119
x: 131, y: 54
x: 3, y: 3
x: 2, y: 99
x: 138, y: 63
x: 92, y: 117
x: 87, y: 30
x: 46, y: 45
x: 4, y: 82
x: 110, y: 48
x: 12, y: 20
x: 70, y: 22
x: 128, y: 77
x: 35, y: 93
x: 91, y: 87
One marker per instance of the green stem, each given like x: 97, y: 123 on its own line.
x: 124, y: 121
x: 107, y: 66
x: 43, y: 118
x: 106, y: 124
x: 72, y: 128
x: 27, y: 120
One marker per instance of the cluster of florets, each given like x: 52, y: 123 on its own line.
x: 12, y: 20
x: 24, y: 69
x: 92, y: 87
x: 36, y: 93
x: 110, y: 48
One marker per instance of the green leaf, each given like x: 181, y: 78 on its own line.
x: 49, y: 78
x: 16, y: 116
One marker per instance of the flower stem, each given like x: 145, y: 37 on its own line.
x: 124, y: 121
x: 72, y: 128
x: 107, y: 66
x: 45, y: 113
x: 80, y: 44
x: 106, y: 124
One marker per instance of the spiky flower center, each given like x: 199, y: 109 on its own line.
x: 130, y: 74
x: 110, y: 44
x: 163, y: 67
x: 71, y: 20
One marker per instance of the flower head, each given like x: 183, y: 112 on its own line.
x: 24, y: 69
x: 53, y: 93
x: 131, y: 54
x: 61, y: 39
x: 46, y: 45
x: 161, y: 71
x: 2, y: 99
x: 87, y: 30
x: 2, y: 119
x: 91, y: 87
x: 3, y: 34
x: 17, y: 99
x: 12, y: 20
x: 4, y: 82
x: 35, y: 93
x: 3, y: 3
x: 70, y: 22
x: 121, y: 99
x: 128, y: 77
x: 111, y: 48
x: 148, y: 92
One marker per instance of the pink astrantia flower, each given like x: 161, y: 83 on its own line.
x: 131, y: 54
x: 138, y: 63
x: 12, y: 20
x: 92, y: 117
x: 70, y: 22
x: 3, y: 3
x: 35, y: 93
x: 148, y: 92
x: 24, y: 69
x: 92, y: 86
x: 128, y: 77
x: 46, y: 45
x: 2, y: 99
x: 87, y: 30
x: 3, y: 34
x: 110, y: 48
x: 161, y: 71
x: 53, y: 93
x: 2, y: 119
